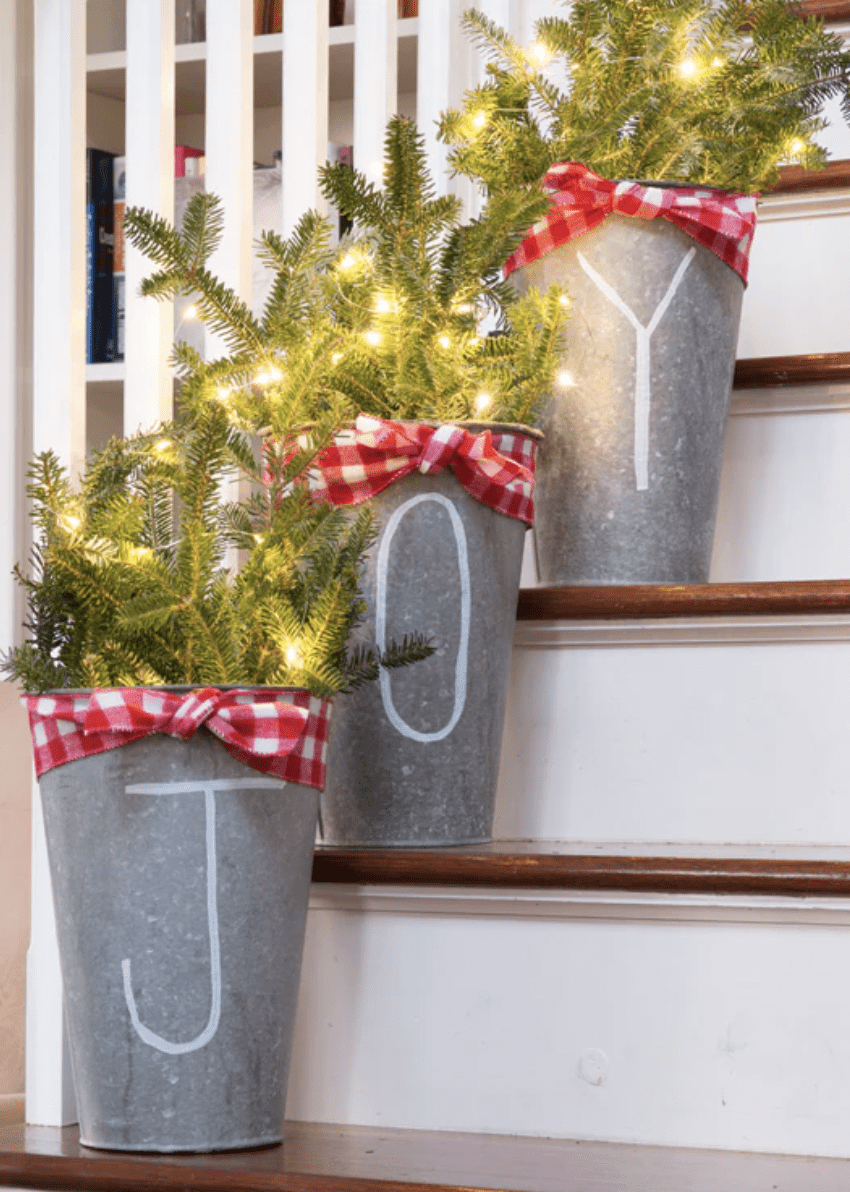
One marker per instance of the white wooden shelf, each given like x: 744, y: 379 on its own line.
x: 105, y: 70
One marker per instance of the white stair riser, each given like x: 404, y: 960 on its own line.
x: 721, y: 742
x: 648, y: 1020
x: 784, y: 508
x: 795, y: 302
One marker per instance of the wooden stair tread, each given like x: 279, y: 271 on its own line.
x: 771, y: 372
x: 624, y: 601
x: 327, y: 1158
x: 565, y: 866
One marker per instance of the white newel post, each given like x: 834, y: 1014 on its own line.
x: 304, y: 133
x: 15, y: 299
x: 375, y: 83
x: 229, y: 141
x: 149, y: 334
x: 59, y: 422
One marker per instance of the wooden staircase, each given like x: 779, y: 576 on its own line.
x: 331, y: 1158
x: 746, y: 930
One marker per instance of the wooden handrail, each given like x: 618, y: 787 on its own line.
x: 526, y: 865
x: 832, y: 11
x: 768, y: 372
x: 628, y: 601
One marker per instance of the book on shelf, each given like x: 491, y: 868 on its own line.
x: 119, y: 191
x: 100, y: 244
x: 190, y: 21
x: 268, y: 16
x: 342, y: 11
x: 183, y: 154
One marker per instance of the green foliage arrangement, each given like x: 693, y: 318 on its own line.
x: 414, y: 284
x: 385, y: 323
x: 717, y: 92
x: 130, y: 585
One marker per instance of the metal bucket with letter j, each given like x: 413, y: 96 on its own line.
x: 181, y: 878
x: 414, y: 757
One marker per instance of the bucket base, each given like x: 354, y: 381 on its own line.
x: 455, y: 842
x: 244, y: 1144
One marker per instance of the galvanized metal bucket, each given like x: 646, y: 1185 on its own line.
x: 629, y: 469
x: 413, y: 759
x: 181, y: 879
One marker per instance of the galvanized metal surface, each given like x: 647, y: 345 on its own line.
x: 181, y: 907
x: 629, y: 469
x: 413, y: 759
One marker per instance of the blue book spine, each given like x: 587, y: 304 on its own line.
x: 89, y: 280
x: 102, y: 242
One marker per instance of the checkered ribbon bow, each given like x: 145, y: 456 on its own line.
x: 280, y: 733
x: 721, y: 220
x: 495, y: 467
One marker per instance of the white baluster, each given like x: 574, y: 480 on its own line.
x: 229, y: 142
x: 375, y: 83
x: 148, y: 388
x: 304, y: 139
x: 436, y: 31
x: 59, y: 422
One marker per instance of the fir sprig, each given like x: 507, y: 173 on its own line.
x: 694, y: 91
x: 414, y: 284
x: 129, y: 584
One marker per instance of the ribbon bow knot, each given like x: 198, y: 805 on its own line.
x: 722, y: 221
x: 441, y: 448
x: 132, y: 709
x: 495, y: 467
x: 280, y: 733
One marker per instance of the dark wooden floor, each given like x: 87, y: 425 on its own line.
x: 317, y: 1158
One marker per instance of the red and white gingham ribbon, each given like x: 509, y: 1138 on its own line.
x: 276, y: 731
x: 723, y: 221
x: 495, y: 467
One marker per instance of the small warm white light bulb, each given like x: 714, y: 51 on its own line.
x: 222, y: 394
x: 350, y: 261
x: 716, y: 61
x: 70, y: 522
x: 796, y: 147
x: 564, y: 300
x: 275, y: 374
x: 444, y: 342
x: 337, y: 356
x: 465, y: 308
x: 191, y: 312
x: 292, y: 656
x: 383, y: 306
x: 539, y: 53
x: 482, y: 401
x: 688, y: 68
x: 565, y: 379
x: 479, y: 119
x: 262, y: 378
x: 162, y: 445
x: 258, y: 538
x: 373, y: 338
